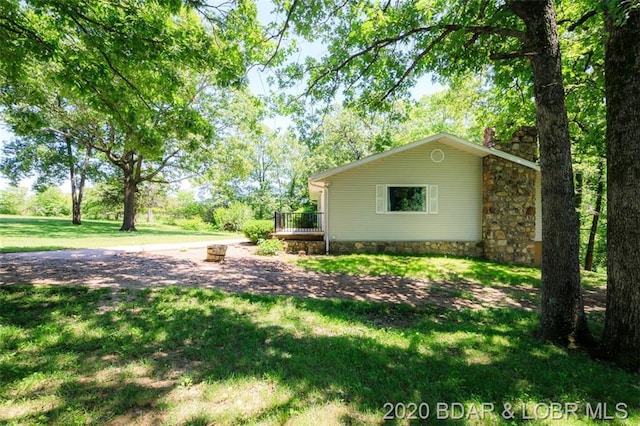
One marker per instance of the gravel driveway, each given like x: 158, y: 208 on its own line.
x: 244, y: 272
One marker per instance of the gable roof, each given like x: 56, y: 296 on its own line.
x: 445, y: 138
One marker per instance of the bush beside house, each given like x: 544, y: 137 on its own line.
x: 256, y: 230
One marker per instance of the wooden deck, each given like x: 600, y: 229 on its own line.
x: 305, y: 226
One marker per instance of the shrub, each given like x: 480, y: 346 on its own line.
x: 231, y: 218
x: 194, y: 224
x: 50, y: 202
x: 256, y: 230
x: 270, y: 247
x: 13, y: 200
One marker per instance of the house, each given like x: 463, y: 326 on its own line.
x: 438, y: 195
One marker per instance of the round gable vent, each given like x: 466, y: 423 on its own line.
x: 437, y: 155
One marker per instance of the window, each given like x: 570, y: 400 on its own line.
x: 407, y: 199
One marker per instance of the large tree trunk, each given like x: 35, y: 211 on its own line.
x: 77, y: 187
x: 76, y: 218
x: 588, y: 257
x: 129, y: 218
x: 621, y: 338
x: 562, y: 309
x: 83, y: 179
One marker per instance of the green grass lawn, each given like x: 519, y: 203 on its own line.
x: 189, y: 356
x: 180, y: 356
x: 32, y: 234
x: 437, y: 268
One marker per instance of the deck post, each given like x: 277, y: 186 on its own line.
x: 325, y: 218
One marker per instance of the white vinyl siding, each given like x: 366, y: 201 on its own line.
x: 358, y: 196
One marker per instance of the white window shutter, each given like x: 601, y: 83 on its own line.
x: 433, y: 199
x: 381, y: 201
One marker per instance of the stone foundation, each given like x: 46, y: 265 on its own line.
x: 309, y: 247
x: 454, y: 248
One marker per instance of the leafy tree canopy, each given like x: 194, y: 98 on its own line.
x: 146, y: 68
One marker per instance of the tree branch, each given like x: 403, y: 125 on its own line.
x: 511, y: 55
x: 21, y: 30
x: 160, y: 168
x: 132, y: 86
x: 281, y: 33
x: 486, y: 29
x: 108, y: 28
x: 447, y: 29
x: 584, y: 18
x: 407, y: 72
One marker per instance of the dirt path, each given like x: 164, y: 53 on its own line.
x: 244, y: 272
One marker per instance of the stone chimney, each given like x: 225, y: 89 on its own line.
x: 509, y: 199
x: 523, y: 143
x: 489, y: 137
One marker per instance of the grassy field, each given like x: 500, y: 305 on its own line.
x: 188, y: 356
x: 33, y: 234
x: 437, y: 268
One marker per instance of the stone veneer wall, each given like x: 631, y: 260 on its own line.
x: 454, y: 248
x: 309, y: 247
x: 509, y: 202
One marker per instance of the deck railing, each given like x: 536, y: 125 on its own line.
x: 298, y: 222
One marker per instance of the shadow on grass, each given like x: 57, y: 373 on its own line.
x: 490, y: 272
x: 191, y: 356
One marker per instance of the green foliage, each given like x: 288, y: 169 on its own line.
x: 13, y: 200
x: 153, y: 197
x: 587, y: 187
x: 139, y: 77
x: 263, y: 168
x: 231, y: 218
x: 256, y: 230
x: 376, y: 51
x: 348, y: 135
x: 50, y: 202
x: 194, y: 224
x: 103, y: 200
x: 270, y: 247
x: 183, y: 205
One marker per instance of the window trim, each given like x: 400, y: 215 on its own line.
x: 431, y: 202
